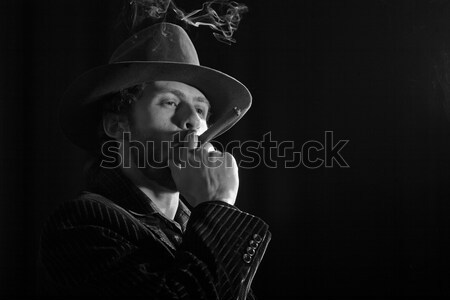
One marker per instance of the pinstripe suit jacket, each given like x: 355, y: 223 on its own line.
x: 111, y: 241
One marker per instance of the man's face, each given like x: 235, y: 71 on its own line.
x: 165, y: 108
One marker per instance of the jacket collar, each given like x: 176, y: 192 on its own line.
x: 114, y: 185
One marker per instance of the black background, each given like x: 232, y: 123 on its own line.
x: 365, y: 70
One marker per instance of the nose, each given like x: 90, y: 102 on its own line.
x: 190, y: 120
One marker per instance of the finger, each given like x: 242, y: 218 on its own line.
x: 215, y: 153
x: 192, y: 140
x: 214, y: 158
x: 208, y: 147
x: 230, y: 161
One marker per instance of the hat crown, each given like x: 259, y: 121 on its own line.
x: 163, y: 42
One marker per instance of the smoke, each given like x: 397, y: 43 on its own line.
x: 222, y: 16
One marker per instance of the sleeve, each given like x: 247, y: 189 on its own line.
x: 231, y: 242
x: 90, y: 248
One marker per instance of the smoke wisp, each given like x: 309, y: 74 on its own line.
x: 222, y: 16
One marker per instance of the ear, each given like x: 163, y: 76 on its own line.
x: 115, y: 125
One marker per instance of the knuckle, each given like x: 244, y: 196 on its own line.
x: 229, y: 159
x: 228, y: 155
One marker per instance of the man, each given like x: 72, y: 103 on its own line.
x: 129, y: 234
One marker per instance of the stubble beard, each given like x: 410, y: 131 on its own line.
x: 156, y: 164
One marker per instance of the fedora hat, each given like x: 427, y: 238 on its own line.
x: 161, y: 52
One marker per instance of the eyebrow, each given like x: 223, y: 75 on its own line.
x: 180, y: 94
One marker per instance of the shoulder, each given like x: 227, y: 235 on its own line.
x: 90, y: 209
x: 86, y: 205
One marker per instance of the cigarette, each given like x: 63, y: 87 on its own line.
x: 226, y: 120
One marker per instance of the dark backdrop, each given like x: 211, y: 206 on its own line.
x: 365, y: 70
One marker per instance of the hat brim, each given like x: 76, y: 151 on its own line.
x: 80, y: 107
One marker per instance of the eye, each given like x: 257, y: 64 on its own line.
x: 200, y: 111
x: 170, y: 103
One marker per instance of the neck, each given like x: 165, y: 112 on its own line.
x: 165, y: 199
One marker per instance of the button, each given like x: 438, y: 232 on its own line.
x: 247, y: 258
x: 257, y: 238
x: 251, y: 251
x: 178, y: 238
x: 253, y: 244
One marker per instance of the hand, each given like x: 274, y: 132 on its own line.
x: 203, y: 174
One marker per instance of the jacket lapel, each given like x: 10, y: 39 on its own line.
x: 114, y: 185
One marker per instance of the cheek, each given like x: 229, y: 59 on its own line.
x: 147, y: 119
x: 203, y: 128
x: 152, y: 125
